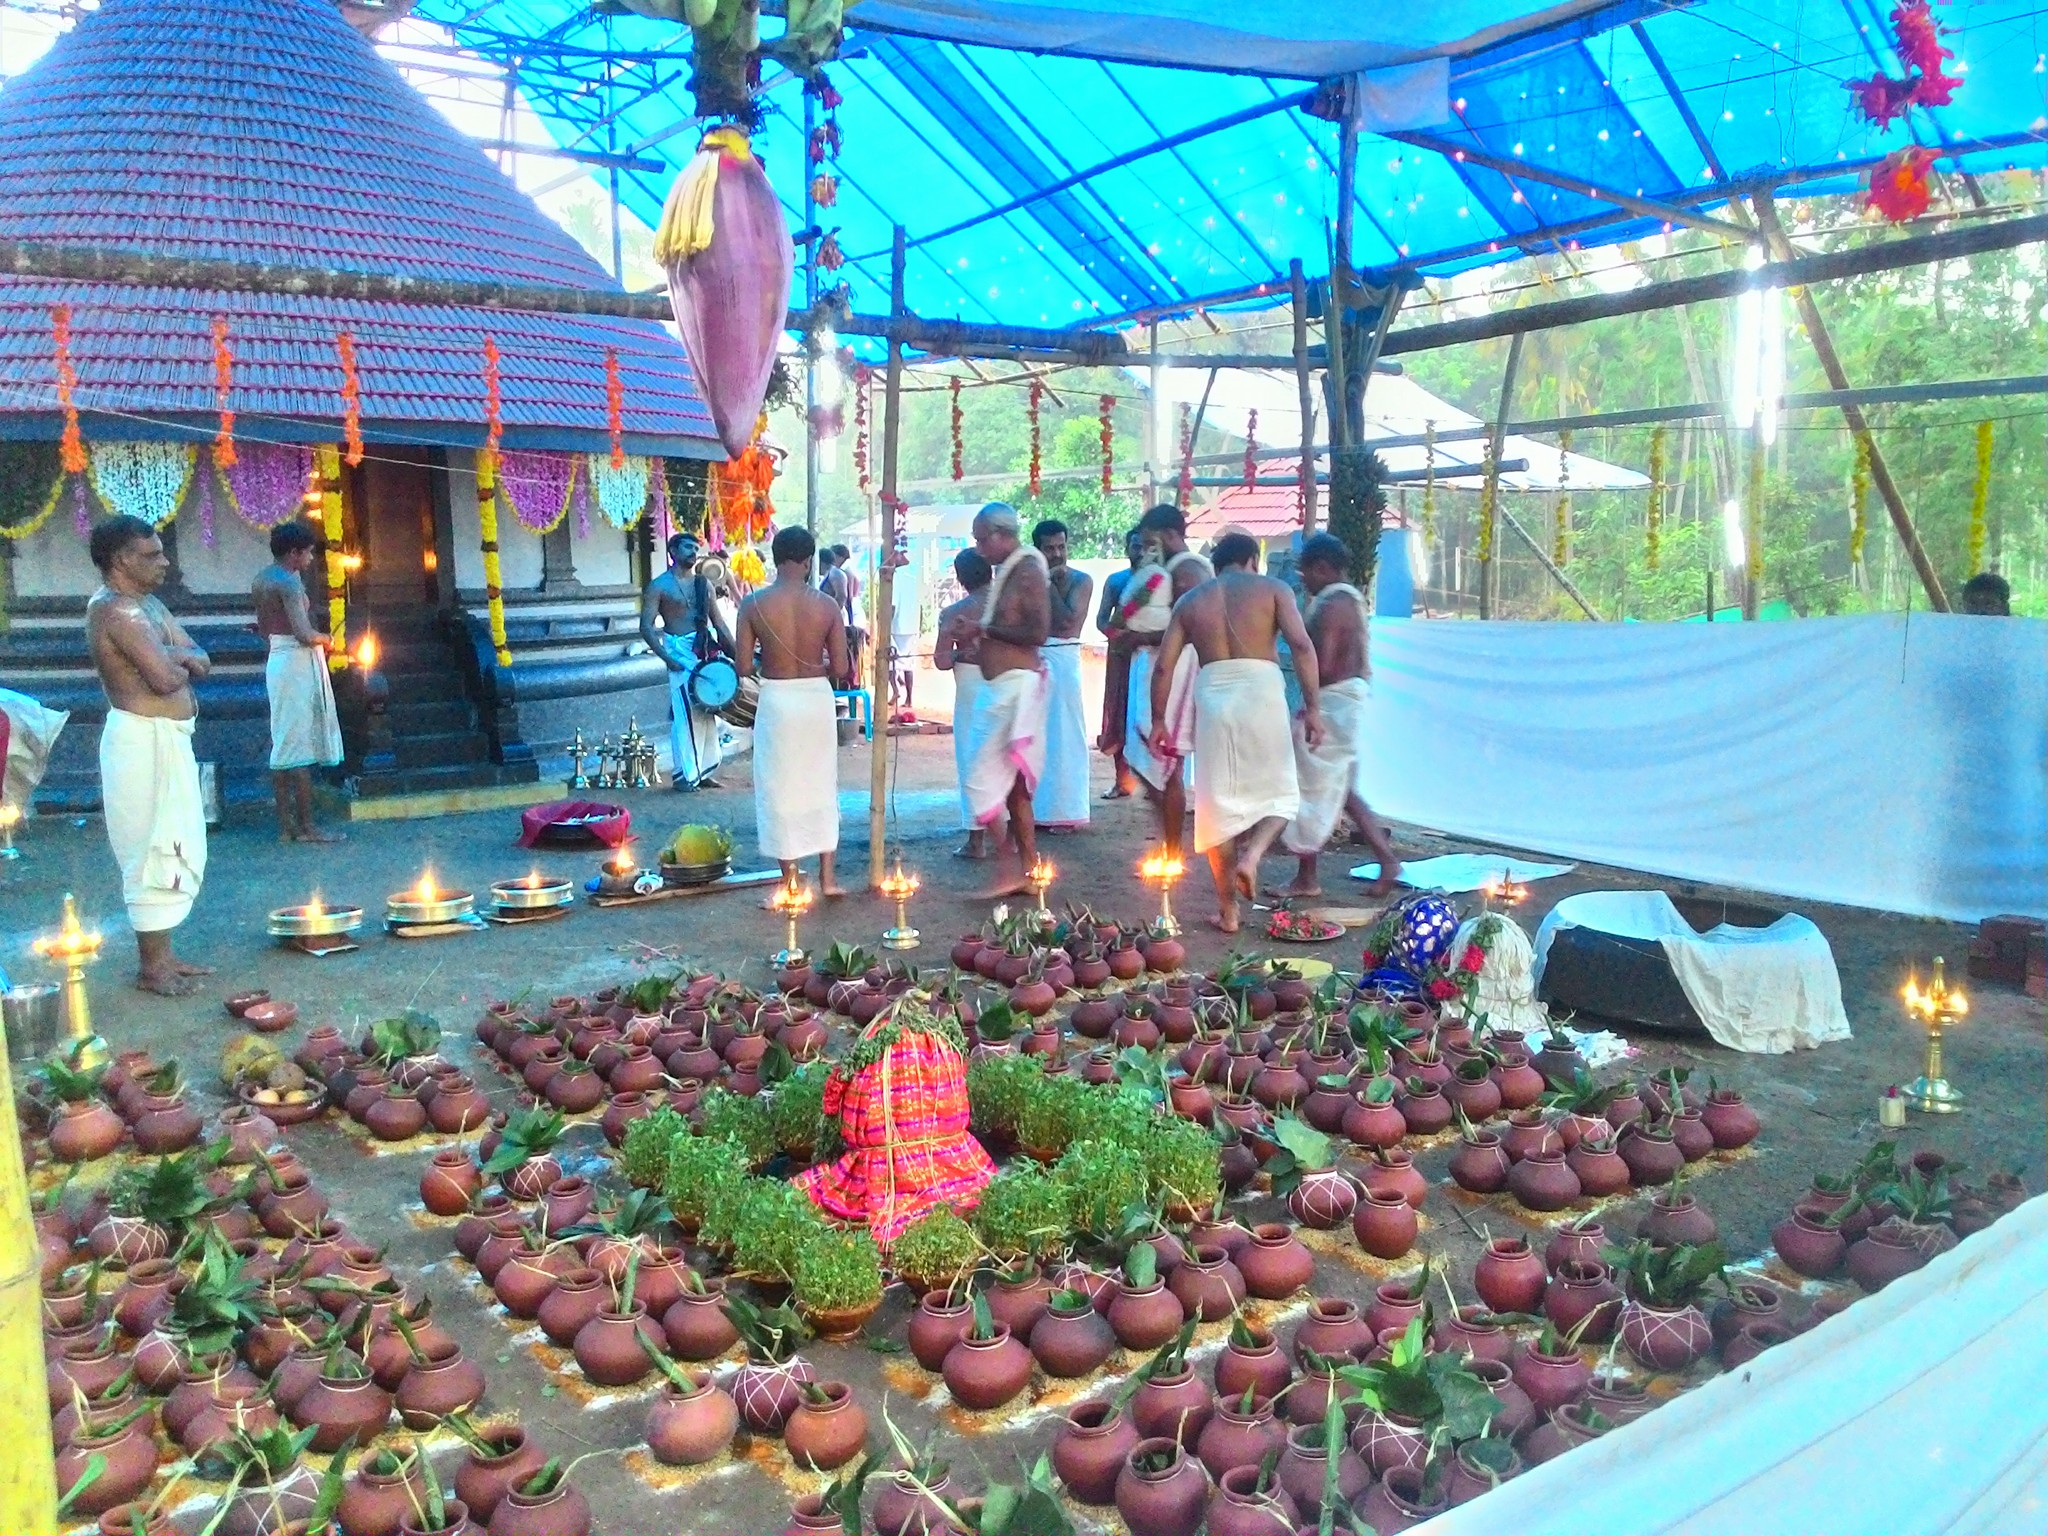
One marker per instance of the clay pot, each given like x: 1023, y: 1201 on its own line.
x: 825, y: 1435
x: 1651, y: 1154
x: 1517, y: 1413
x: 1208, y: 1285
x: 1729, y: 1120
x: 1399, y: 1502
x: 450, y: 1182
x: 1275, y: 1264
x: 1018, y: 1301
x: 530, y: 1180
x: 1395, y: 1304
x: 1673, y: 1220
x: 394, y: 1115
x: 768, y: 1394
x: 1385, y: 1224
x: 941, y: 1321
x: 481, y: 1482
x: 567, y: 1202
x: 1304, y: 1466
x: 696, y: 1324
x: 445, y: 1382
x: 1145, y: 1317
x: 526, y: 1279
x: 1070, y: 1344
x: 1751, y: 1340
x: 165, y: 1123
x: 88, y: 1365
x: 1563, y: 1430
x: 458, y: 1105
x: 1234, y: 1437
x: 1393, y: 1171
x: 1882, y: 1254
x: 1664, y: 1338
x: 130, y: 1457
x: 1584, y: 1289
x: 1161, y: 1491
x: 1325, y: 1198
x: 1389, y: 1442
x: 609, y: 1349
x: 1745, y: 1304
x: 1259, y: 1365
x: 1470, y: 1477
x: 1617, y: 1399
x: 577, y: 1297
x: 1807, y: 1244
x: 1520, y: 1084
x: 1689, y: 1132
x: 1542, y: 1182
x: 1308, y: 1399
x: 687, y: 1427
x: 1550, y: 1381
x: 986, y: 1373
x: 374, y: 1503
x: 1374, y: 1125
x: 1333, y: 1328
x: 1173, y: 1406
x: 902, y: 1508
x: 84, y: 1131
x: 1473, y: 1333
x: 341, y: 1408
x: 1481, y: 1163
x: 1423, y: 1106
x: 127, y: 1239
x: 1509, y: 1276
x: 473, y: 1229
x: 145, y: 1296
x: 1241, y: 1507
x: 563, y: 1512
x: 1530, y: 1131
x: 1091, y: 1450
x: 1599, y: 1166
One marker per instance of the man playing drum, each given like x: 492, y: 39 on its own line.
x: 692, y: 632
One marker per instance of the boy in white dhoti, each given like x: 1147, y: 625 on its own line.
x: 1330, y: 770
x: 1162, y: 737
x: 800, y: 634
x: 1061, y: 799
x: 305, y: 732
x: 1245, y: 790
x: 1006, y: 732
x: 957, y: 650
x: 691, y: 632
x: 149, y: 780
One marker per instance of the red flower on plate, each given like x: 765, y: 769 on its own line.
x: 1442, y: 988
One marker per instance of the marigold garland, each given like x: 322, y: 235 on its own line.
x: 71, y: 446
x: 1653, y: 531
x: 861, y: 375
x: 959, y: 462
x: 1980, y: 497
x: 24, y: 467
x: 615, y: 406
x: 1489, y: 490
x: 351, y: 398
x: 1037, y: 394
x: 1429, y: 481
x: 1859, y: 499
x: 1251, y: 448
x: 1756, y: 523
x: 223, y: 381
x: 487, y: 527
x: 494, y: 401
x: 327, y: 462
x: 1104, y: 404
x: 1187, y: 455
x: 1561, y: 531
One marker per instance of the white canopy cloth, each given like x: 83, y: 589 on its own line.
x: 1768, y: 990
x: 1916, y: 1412
x: 1465, y: 871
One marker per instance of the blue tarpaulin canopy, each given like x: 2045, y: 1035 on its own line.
x: 973, y: 123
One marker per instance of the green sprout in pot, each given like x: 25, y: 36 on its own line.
x: 997, y: 1023
x: 772, y: 1335
x: 743, y: 1121
x: 1023, y: 1212
x: 1669, y: 1278
x: 411, y: 1033
x: 1051, y: 1115
x: 773, y: 1223
x: 168, y: 1192
x: 1166, y: 1362
x: 796, y: 1110
x: 1031, y: 1508
x: 846, y: 962
x: 529, y: 1133
x: 643, y: 1151
x: 219, y: 1303
x: 1101, y: 1179
x: 997, y: 1087
x: 65, y: 1082
x: 837, y: 1272
x: 934, y: 1251
x: 699, y: 1169
x: 1580, y: 1096
x: 1183, y: 1166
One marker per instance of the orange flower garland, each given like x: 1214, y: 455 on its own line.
x: 223, y: 381
x: 1037, y: 394
x: 615, y: 406
x: 494, y: 401
x: 71, y: 447
x: 959, y: 462
x: 1104, y: 404
x: 351, y: 398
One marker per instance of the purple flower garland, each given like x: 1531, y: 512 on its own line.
x: 537, y: 486
x: 267, y: 481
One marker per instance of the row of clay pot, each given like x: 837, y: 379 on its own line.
x: 125, y: 1109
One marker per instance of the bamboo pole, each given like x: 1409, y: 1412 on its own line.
x: 885, y: 585
x: 1297, y: 284
x: 28, y: 1476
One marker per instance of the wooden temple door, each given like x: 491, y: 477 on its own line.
x: 393, y: 496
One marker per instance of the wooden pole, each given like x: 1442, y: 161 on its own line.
x: 885, y: 584
x: 1489, y: 565
x: 1859, y: 425
x: 1297, y: 284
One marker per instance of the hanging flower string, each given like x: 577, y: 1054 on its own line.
x: 1917, y: 35
x: 487, y: 503
x: 1756, y: 522
x: 1037, y: 394
x: 538, y: 487
x: 1653, y: 531
x: 861, y: 375
x: 31, y: 475
x: 1980, y: 497
x: 1489, y: 490
x: 71, y: 446
x: 351, y: 399
x: 223, y: 381
x: 621, y: 493
x: 145, y: 480
x: 959, y: 461
x: 494, y: 399
x: 1561, y: 533
x: 337, y: 577
x: 1251, y: 448
x: 615, y: 407
x: 1103, y: 406
x: 1187, y: 455
x: 664, y: 511
x: 1859, y: 500
x: 266, y: 485
x: 1429, y: 481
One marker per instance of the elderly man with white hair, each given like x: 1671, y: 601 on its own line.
x: 1005, y: 750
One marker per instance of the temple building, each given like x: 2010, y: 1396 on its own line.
x: 269, y: 132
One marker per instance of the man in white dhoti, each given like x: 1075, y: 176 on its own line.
x: 1061, y: 800
x: 1162, y: 769
x: 957, y: 650
x: 305, y: 732
x: 149, y: 780
x: 1245, y: 790
x: 1330, y: 771
x: 691, y: 632
x: 1006, y: 732
x: 800, y: 635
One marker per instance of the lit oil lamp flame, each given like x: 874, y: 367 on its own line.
x: 791, y: 898
x: 366, y: 653
x: 71, y: 940
x: 313, y: 909
x: 351, y: 563
x: 622, y: 860
x: 427, y: 890
x: 1938, y: 1000
x: 899, y: 884
x: 1162, y: 866
x: 532, y: 881
x: 1042, y: 872
x: 9, y: 815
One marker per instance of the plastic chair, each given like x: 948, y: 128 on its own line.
x: 858, y: 705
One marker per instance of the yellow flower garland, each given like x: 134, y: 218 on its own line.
x: 29, y: 527
x: 1859, y: 499
x: 494, y: 574
x: 328, y: 460
x: 1561, y: 534
x: 1654, y: 531
x: 1756, y: 523
x: 1489, y: 487
x: 1429, y: 481
x: 1980, y: 497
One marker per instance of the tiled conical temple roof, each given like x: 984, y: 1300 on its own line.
x: 270, y: 131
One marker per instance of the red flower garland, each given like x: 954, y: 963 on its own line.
x: 71, y: 447
x: 959, y: 463
x: 494, y: 403
x: 223, y: 381
x: 1187, y: 455
x: 351, y: 398
x: 1037, y: 394
x: 861, y: 375
x: 1899, y: 188
x: 1251, y: 448
x: 1103, y: 404
x: 1917, y: 35
x: 615, y: 406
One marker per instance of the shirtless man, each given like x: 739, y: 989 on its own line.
x: 958, y: 650
x: 1061, y: 800
x: 305, y: 732
x: 1245, y: 790
x: 1166, y: 528
x: 149, y: 781
x: 800, y: 634
x: 1006, y: 733
x: 1329, y: 773
x: 687, y: 609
